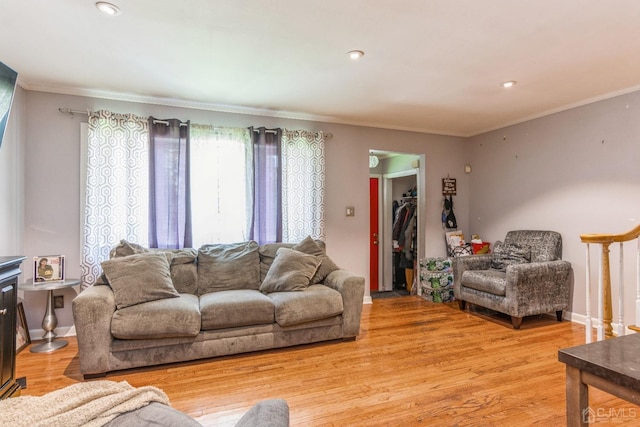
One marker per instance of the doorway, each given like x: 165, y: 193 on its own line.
x: 399, y: 179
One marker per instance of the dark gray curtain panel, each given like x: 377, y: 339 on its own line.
x: 267, y: 190
x: 169, y: 184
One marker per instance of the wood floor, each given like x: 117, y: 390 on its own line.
x: 414, y: 363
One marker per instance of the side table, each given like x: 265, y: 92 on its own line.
x: 49, y: 321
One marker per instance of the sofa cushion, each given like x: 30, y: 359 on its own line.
x: 231, y: 309
x: 505, y: 254
x: 165, y: 318
x: 490, y: 281
x: 139, y: 278
x: 267, y: 255
x: 311, y: 246
x: 229, y: 266
x: 314, y: 303
x: 291, y: 271
x: 183, y: 263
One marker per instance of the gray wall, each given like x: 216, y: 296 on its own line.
x: 51, y: 181
x: 575, y: 172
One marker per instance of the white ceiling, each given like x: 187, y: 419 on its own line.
x: 429, y: 66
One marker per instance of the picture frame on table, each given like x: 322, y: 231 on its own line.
x: 23, y: 338
x: 48, y: 268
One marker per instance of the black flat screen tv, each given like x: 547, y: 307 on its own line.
x: 8, y: 79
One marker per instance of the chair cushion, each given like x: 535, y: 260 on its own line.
x: 505, y: 254
x: 545, y: 245
x: 165, y: 318
x: 490, y: 281
x: 231, y: 309
x: 314, y: 303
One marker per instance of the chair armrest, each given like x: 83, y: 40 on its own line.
x: 270, y: 412
x: 92, y: 312
x: 464, y: 263
x: 539, y: 284
x: 351, y: 287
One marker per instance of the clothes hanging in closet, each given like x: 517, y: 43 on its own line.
x: 405, y: 233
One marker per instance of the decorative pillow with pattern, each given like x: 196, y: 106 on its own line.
x: 505, y: 254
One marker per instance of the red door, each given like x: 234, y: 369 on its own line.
x: 373, y: 234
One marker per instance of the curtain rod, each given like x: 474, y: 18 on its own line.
x: 72, y: 112
x: 163, y: 122
x: 88, y: 113
x: 326, y: 134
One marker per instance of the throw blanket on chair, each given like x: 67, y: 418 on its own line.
x: 84, y: 404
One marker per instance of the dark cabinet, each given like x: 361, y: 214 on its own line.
x: 9, y: 271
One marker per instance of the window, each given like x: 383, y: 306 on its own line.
x: 221, y: 184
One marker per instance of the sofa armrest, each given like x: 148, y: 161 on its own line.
x: 351, y: 287
x: 539, y: 286
x: 464, y: 263
x: 92, y: 312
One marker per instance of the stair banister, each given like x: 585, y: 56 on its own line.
x: 605, y: 310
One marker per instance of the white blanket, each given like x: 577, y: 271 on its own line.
x: 84, y: 404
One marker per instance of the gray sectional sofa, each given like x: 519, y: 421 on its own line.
x: 155, y: 306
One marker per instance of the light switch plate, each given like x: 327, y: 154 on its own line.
x: 351, y: 211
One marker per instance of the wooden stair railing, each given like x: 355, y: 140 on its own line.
x: 605, y: 308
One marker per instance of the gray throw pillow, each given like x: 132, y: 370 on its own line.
x: 228, y: 266
x: 291, y: 271
x: 139, y: 278
x: 505, y: 254
x: 311, y: 247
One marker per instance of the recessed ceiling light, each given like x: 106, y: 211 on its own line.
x: 108, y: 8
x: 355, y: 54
x: 510, y: 83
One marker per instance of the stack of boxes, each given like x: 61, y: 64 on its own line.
x: 436, y: 279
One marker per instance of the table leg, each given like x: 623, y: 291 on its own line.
x: 49, y: 323
x: 578, y: 412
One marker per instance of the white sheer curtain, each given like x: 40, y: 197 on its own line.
x: 221, y: 184
x: 303, y: 179
x: 117, y: 188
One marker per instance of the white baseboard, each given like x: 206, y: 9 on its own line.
x: 62, y: 331
x: 367, y: 300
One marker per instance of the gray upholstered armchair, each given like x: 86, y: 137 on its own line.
x: 524, y: 276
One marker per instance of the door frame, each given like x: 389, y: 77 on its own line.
x: 387, y: 252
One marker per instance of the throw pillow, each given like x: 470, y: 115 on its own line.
x: 311, y: 247
x: 505, y: 254
x: 291, y: 271
x: 139, y: 278
x: 228, y: 266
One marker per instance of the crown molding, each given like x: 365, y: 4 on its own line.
x: 224, y: 108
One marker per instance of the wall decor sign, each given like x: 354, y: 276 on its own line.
x: 448, y: 186
x: 49, y: 268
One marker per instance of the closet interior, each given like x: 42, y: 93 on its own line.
x: 404, y: 232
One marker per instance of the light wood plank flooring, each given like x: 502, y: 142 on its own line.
x: 414, y: 363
